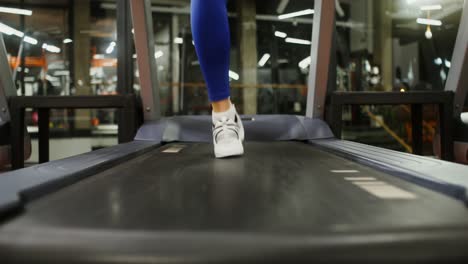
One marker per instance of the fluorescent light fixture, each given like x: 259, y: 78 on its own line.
x: 298, y: 41
x: 296, y: 14
x: 305, y: 63
x: 67, y: 40
x: 179, y: 41
x: 51, y: 48
x: 158, y: 54
x: 264, y: 60
x: 10, y: 31
x: 16, y: 11
x: 430, y: 22
x: 282, y: 6
x: 428, y: 33
x: 438, y: 61
x: 280, y: 34
x: 234, y: 75
x: 98, y: 56
x: 448, y: 64
x: 368, y: 66
x: 431, y: 7
x: 111, y: 47
x: 134, y: 56
x: 6, y: 29
x: 375, y: 70
x: 464, y: 117
x: 30, y: 40
x: 443, y: 75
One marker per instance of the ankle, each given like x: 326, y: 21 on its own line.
x: 221, y: 106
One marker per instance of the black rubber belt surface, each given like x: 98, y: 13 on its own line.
x: 283, y: 187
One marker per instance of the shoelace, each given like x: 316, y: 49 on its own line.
x: 223, y: 125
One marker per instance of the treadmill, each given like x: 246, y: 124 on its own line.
x: 299, y: 195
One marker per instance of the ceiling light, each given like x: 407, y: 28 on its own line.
x: 431, y: 7
x: 10, y: 31
x: 438, y: 61
x: 264, y: 60
x: 448, y: 64
x: 430, y: 22
x: 443, y: 75
x: 280, y: 34
x: 298, y: 41
x: 464, y: 117
x: 233, y: 75
x: 158, y: 54
x: 67, y: 40
x: 296, y: 14
x: 30, y: 40
x: 111, y: 47
x: 179, y: 41
x: 282, y: 6
x: 51, y: 48
x: 16, y: 11
x: 305, y: 63
x: 428, y: 33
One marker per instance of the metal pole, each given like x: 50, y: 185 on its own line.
x: 124, y: 48
x: 125, y: 69
x: 23, y: 57
x: 7, y: 86
x: 144, y: 43
x: 322, y: 36
x: 457, y: 81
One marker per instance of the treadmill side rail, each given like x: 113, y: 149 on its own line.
x: 30, y: 183
x: 445, y: 177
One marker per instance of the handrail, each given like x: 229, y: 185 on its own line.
x: 248, y: 86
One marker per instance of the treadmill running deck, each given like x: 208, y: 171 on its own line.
x: 276, y: 188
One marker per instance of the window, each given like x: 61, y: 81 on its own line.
x: 397, y: 46
x: 66, y: 50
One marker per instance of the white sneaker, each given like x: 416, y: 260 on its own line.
x: 228, y: 137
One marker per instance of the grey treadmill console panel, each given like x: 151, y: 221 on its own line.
x: 258, y: 128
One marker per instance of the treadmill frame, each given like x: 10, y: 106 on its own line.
x: 144, y: 45
x: 18, y: 188
x: 457, y: 81
x: 320, y: 54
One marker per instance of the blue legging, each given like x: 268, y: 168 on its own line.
x: 210, y: 29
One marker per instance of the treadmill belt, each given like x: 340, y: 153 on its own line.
x: 280, y: 187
